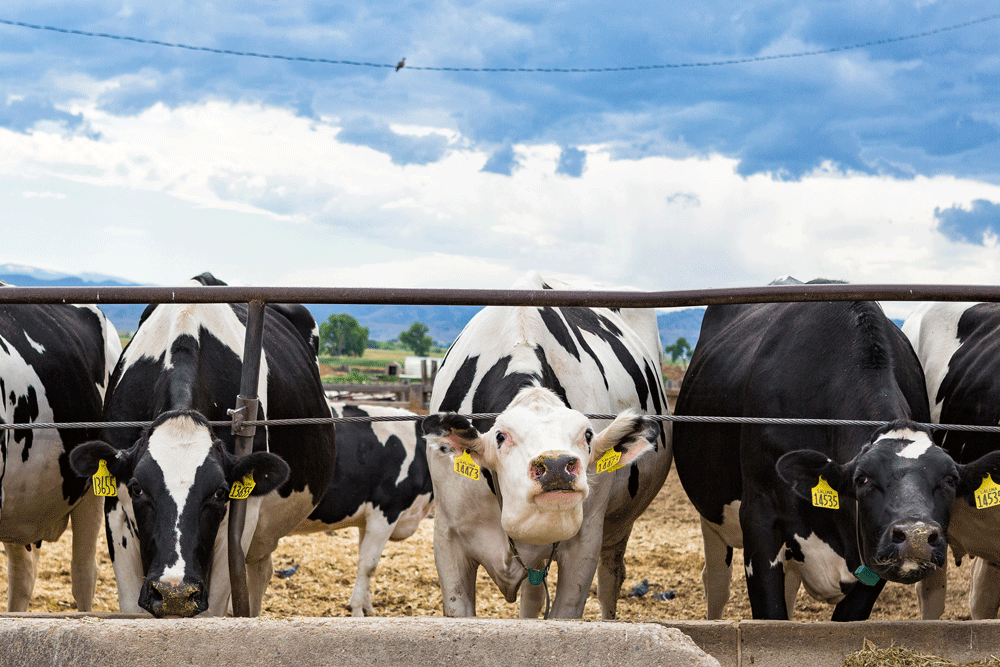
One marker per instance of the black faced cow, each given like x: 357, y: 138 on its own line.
x: 542, y: 369
x: 381, y: 486
x: 756, y: 488
x: 55, y: 361
x: 959, y: 347
x: 166, y: 534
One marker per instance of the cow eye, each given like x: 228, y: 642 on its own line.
x: 135, y: 489
x: 861, y: 480
x: 589, y: 435
x: 950, y: 480
x: 222, y: 492
x: 501, y: 438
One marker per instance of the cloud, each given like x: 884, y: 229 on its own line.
x: 982, y: 219
x: 402, y: 149
x: 572, y: 162
x: 503, y: 161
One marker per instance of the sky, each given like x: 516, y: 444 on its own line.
x: 875, y: 164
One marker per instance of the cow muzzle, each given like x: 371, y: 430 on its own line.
x: 161, y: 598
x: 910, y: 550
x: 556, y: 471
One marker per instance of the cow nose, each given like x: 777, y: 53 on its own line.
x: 916, y: 539
x: 161, y: 598
x: 556, y: 471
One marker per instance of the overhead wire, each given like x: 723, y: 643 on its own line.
x: 558, y: 70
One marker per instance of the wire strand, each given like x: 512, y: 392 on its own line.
x: 555, y: 70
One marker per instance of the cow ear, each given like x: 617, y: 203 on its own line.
x: 85, y: 459
x: 629, y: 434
x: 455, y: 431
x: 971, y: 474
x: 802, y: 469
x: 269, y: 471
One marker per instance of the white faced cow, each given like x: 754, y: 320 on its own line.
x: 959, y: 347
x: 166, y: 530
x: 769, y: 488
x: 539, y: 495
x: 381, y: 485
x: 54, y: 366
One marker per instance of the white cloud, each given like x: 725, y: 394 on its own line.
x: 323, y: 212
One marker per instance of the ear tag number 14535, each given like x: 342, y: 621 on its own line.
x: 825, y: 496
x: 988, y: 494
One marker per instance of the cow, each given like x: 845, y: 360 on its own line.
x: 772, y: 490
x: 165, y: 527
x: 55, y: 361
x: 381, y: 485
x: 958, y: 345
x: 532, y: 491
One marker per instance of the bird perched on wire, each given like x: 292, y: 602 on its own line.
x: 287, y: 572
x: 640, y: 590
x: 401, y: 64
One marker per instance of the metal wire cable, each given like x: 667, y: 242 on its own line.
x: 558, y: 70
x: 695, y: 419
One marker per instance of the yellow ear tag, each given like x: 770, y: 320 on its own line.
x: 241, y: 490
x: 609, y: 462
x: 466, y: 467
x: 104, y: 483
x: 988, y: 494
x: 823, y: 495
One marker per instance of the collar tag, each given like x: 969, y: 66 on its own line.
x: 866, y: 575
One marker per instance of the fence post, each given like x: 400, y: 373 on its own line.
x: 246, y: 409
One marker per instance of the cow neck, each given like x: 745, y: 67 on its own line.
x: 535, y: 577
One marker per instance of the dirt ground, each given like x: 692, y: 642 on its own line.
x: 665, y: 549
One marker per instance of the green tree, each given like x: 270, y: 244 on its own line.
x: 679, y: 350
x: 342, y: 335
x: 415, y: 338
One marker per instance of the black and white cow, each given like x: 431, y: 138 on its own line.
x: 55, y: 361
x: 381, y: 485
x: 959, y: 347
x: 542, y: 369
x: 754, y: 484
x: 165, y: 529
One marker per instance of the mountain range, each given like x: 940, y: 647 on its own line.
x: 384, y: 322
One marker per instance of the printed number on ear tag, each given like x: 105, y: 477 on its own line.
x: 241, y: 490
x: 466, y: 467
x: 988, y: 494
x: 104, y: 483
x: 823, y: 495
x: 609, y: 462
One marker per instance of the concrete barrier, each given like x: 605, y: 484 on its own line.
x: 87, y: 640
x: 826, y: 644
x: 109, y: 640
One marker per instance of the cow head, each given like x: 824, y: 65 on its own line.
x: 904, y: 485
x: 539, y: 451
x: 178, y: 479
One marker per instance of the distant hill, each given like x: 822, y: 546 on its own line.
x: 384, y: 322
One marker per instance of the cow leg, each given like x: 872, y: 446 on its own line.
x: 22, y: 570
x: 372, y: 538
x: 717, y: 574
x: 259, y: 573
x: 611, y: 576
x: 793, y: 579
x: 87, y: 519
x: 858, y: 603
x: 984, y: 598
x: 931, y: 593
x: 532, y: 599
x: 456, y: 574
x: 763, y: 559
x: 573, y: 587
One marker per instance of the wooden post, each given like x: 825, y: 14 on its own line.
x: 246, y: 409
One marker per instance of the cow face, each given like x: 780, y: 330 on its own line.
x: 540, y: 451
x: 904, y: 486
x: 178, y: 479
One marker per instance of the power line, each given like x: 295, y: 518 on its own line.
x: 558, y: 70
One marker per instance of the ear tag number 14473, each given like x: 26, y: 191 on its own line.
x: 466, y: 467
